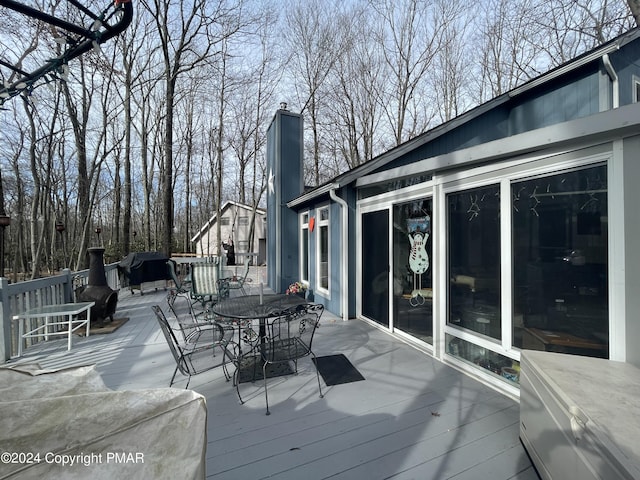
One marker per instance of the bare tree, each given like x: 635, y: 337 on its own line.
x: 409, y: 42
x: 355, y: 99
x: 35, y: 225
x: 634, y: 6
x: 187, y: 36
x: 569, y: 27
x: 449, y: 77
x: 506, y: 56
x: 313, y: 38
x: 136, y: 58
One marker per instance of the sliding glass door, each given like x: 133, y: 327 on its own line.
x: 375, y: 266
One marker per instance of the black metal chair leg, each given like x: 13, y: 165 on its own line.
x: 266, y: 395
x: 173, y: 377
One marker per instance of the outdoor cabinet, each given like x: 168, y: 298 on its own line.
x: 580, y: 416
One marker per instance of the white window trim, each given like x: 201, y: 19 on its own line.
x: 519, y: 169
x: 304, y: 225
x: 386, y: 202
x: 504, y: 179
x: 321, y: 223
x: 635, y: 83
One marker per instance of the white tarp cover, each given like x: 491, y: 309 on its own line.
x: 66, y: 424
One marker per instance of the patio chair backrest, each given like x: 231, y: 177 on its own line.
x: 204, y: 278
x: 171, y: 266
x: 291, y: 335
x: 172, y: 341
x: 185, y: 318
x: 195, y: 331
x: 237, y: 282
x: 194, y: 358
x: 290, y: 338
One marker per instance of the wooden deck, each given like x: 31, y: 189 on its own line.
x: 412, y: 418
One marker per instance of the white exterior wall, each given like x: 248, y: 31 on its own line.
x: 207, y: 242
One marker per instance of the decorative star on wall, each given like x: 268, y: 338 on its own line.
x: 271, y: 183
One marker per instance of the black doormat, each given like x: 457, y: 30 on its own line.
x: 337, y: 369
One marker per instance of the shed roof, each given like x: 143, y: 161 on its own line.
x: 225, y: 207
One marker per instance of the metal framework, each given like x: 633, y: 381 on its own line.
x: 76, y: 39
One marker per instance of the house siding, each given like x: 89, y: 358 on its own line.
x: 631, y: 174
x: 514, y: 131
x: 206, y: 241
x: 625, y: 62
x: 284, y: 169
x: 574, y: 97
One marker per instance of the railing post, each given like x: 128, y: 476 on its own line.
x: 5, y: 321
x: 68, y: 286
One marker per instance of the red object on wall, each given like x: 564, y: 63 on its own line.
x: 312, y: 223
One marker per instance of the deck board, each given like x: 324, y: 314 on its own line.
x: 412, y: 416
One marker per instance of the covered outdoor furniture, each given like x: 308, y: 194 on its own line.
x: 52, y: 417
x: 195, y: 357
x: 139, y: 268
x: 289, y: 338
x: 580, y: 416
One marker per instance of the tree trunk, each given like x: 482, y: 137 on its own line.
x: 634, y: 6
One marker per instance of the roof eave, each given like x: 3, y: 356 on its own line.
x: 313, y: 194
x: 400, y: 150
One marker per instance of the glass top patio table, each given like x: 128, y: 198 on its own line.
x: 256, y: 306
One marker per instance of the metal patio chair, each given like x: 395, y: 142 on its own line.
x: 237, y: 282
x: 194, y: 358
x: 289, y: 338
x: 206, y: 285
x: 181, y: 287
x: 195, y: 328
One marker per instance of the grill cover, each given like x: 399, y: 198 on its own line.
x: 142, y: 267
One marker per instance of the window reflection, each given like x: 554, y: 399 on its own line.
x: 504, y: 367
x: 560, y: 262
x: 474, y: 260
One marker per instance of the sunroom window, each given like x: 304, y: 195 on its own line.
x: 560, y: 300
x: 474, y: 256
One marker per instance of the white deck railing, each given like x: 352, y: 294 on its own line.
x: 18, y: 297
